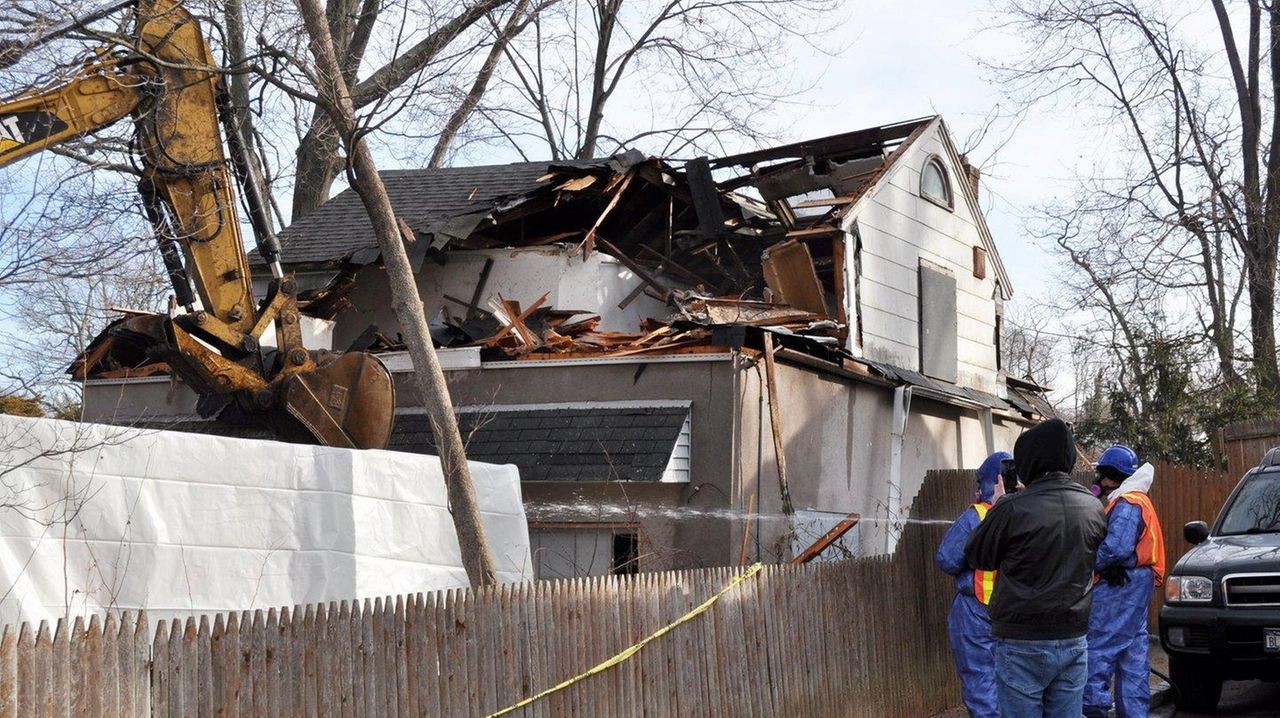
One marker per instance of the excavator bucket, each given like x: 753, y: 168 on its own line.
x: 348, y: 400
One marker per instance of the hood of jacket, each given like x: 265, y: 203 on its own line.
x: 1047, y: 447
x: 989, y: 475
x: 1139, y: 482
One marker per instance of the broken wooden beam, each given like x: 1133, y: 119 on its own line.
x: 634, y: 267
x: 789, y: 272
x: 827, y: 539
x: 775, y: 423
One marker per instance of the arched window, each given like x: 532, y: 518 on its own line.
x: 934, y: 184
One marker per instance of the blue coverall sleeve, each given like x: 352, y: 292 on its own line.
x: 950, y: 555
x: 1123, y: 525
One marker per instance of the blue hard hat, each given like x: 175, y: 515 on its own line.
x: 1121, y: 458
x: 989, y: 474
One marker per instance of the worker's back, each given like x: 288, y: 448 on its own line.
x: 1042, y: 541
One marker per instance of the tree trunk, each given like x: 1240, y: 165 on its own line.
x: 318, y: 165
x: 428, y: 377
x: 1262, y: 313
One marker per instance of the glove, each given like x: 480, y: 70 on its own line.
x: 1115, y: 576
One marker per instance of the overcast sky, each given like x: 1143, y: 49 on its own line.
x: 906, y: 60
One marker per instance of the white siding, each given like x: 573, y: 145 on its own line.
x: 899, y: 229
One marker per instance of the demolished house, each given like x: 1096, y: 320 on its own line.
x: 691, y: 363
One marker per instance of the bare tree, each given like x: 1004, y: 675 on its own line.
x: 337, y: 100
x: 589, y: 78
x: 1030, y: 346
x: 352, y: 24
x: 1198, y: 179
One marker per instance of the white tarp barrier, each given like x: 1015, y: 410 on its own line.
x: 97, y: 517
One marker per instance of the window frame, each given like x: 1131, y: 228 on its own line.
x: 949, y: 202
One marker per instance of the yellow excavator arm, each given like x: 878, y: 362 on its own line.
x: 168, y: 85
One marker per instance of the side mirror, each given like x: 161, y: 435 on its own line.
x: 1195, y: 532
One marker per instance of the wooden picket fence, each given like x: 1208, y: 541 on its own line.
x: 865, y: 637
x: 824, y: 639
x: 1244, y: 443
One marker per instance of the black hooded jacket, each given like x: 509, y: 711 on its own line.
x: 1042, y: 540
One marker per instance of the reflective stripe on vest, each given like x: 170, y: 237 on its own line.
x: 984, y: 582
x: 1150, y: 547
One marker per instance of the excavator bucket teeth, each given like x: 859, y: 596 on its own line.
x: 347, y: 401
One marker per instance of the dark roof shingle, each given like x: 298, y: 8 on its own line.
x: 445, y: 199
x: 590, y: 444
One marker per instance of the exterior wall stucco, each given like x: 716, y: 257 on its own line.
x: 838, y: 443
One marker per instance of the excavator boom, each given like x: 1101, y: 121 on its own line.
x: 168, y: 84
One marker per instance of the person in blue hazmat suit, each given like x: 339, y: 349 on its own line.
x: 968, y: 624
x: 1129, y: 567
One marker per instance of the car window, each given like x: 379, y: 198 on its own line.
x: 1256, y: 508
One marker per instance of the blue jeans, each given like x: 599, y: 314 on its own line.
x: 1041, y: 679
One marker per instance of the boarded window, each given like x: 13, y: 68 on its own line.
x: 979, y: 263
x: 938, y: 323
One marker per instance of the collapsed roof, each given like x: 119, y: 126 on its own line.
x: 750, y: 241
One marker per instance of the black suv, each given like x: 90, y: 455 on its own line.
x: 1221, y: 614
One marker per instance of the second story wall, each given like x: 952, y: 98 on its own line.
x: 918, y: 294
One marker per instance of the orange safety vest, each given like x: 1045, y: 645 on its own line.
x: 984, y: 582
x: 1150, y: 548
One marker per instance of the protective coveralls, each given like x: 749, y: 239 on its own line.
x: 1118, y: 623
x: 968, y: 624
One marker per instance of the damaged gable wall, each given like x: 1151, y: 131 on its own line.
x: 899, y: 230
x: 596, y: 285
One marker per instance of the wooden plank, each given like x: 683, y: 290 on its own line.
x: 297, y: 680
x: 243, y: 659
x: 161, y: 670
x: 121, y: 644
x: 218, y: 664
x: 190, y: 668
x: 410, y: 654
x: 830, y: 537
x: 356, y: 638
x: 775, y: 425
x: 478, y: 293
x: 330, y: 670
x: 25, y: 651
x: 345, y: 652
x: 42, y: 672
x: 276, y: 658
x: 204, y: 679
x: 259, y: 679
x: 62, y: 684
x: 588, y: 242
x: 385, y: 641
x: 790, y: 275
x: 369, y: 655
x: 631, y: 264
x: 9, y: 672
x: 398, y: 672
x: 142, y: 653
x: 428, y: 657
x: 307, y: 638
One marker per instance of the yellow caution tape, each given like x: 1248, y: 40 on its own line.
x: 634, y: 649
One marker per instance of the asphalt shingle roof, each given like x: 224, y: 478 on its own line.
x: 593, y: 444
x: 427, y: 199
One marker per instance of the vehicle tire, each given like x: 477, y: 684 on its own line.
x: 1197, y: 685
